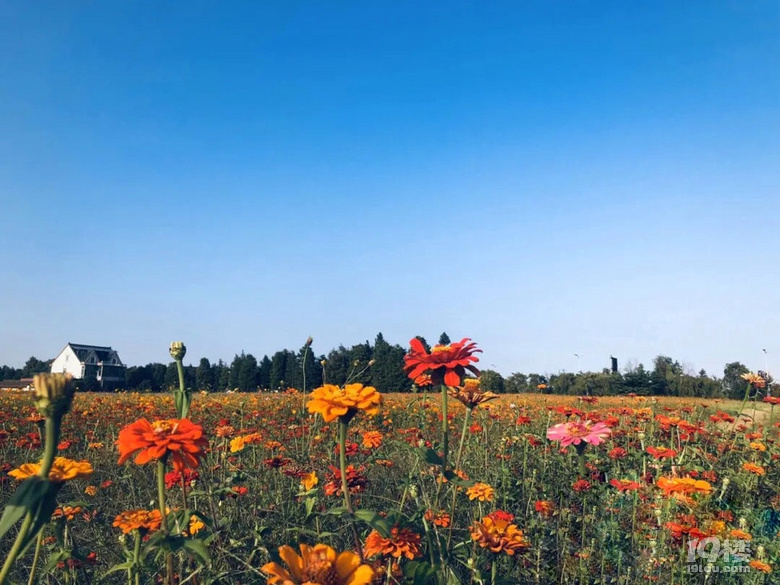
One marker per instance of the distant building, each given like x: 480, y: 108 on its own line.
x: 91, y: 361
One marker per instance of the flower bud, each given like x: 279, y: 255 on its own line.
x: 53, y: 393
x: 309, y: 341
x: 178, y: 351
x: 371, y: 362
x: 322, y: 363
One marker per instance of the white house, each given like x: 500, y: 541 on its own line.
x: 91, y: 361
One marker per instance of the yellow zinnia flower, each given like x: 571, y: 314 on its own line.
x: 309, y: 480
x: 334, y: 402
x: 62, y: 469
x: 480, y: 491
x: 318, y: 564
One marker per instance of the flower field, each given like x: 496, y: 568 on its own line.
x: 248, y: 488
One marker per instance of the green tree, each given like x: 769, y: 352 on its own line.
x: 204, y: 376
x: 491, y: 381
x: 35, y: 366
x: 516, y: 383
x: 171, y: 376
x: 444, y: 339
x: 264, y: 373
x: 733, y: 384
x: 278, y: 369
x: 235, y: 370
x: 247, y: 375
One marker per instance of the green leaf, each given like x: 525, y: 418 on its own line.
x: 197, y: 550
x: 374, y: 520
x: 25, y: 498
x: 430, y: 456
x: 451, y: 477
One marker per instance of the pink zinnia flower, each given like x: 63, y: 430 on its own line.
x: 575, y: 432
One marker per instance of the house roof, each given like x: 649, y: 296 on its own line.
x: 82, y: 351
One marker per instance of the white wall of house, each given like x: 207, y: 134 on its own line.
x: 67, y: 362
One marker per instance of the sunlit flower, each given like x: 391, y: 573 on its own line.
x: 446, y: 363
x: 682, y: 488
x: 498, y: 535
x: 480, y: 491
x: 144, y: 520
x: 544, y: 507
x: 440, y: 518
x: 196, y: 525
x: 62, y: 469
x: 662, y: 452
x: 335, y: 402
x: 755, y: 380
x: 753, y: 468
x: 402, y: 542
x: 180, y: 438
x: 309, y: 480
x: 471, y: 395
x: 90, y: 490
x: 625, y: 485
x: 576, y: 432
x: 67, y: 512
x: 318, y: 565
x: 760, y: 566
x: 372, y: 439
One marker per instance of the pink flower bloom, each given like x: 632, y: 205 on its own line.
x: 575, y: 432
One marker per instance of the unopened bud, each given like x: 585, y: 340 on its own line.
x: 178, y: 350
x: 53, y: 393
x: 371, y: 362
x: 309, y: 341
x: 322, y: 363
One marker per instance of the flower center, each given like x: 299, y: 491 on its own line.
x: 164, y: 427
x: 578, y: 430
x: 321, y: 572
x: 441, y: 348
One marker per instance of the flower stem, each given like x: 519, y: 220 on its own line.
x: 184, y: 404
x: 49, y: 452
x: 343, y: 426
x: 164, y: 518
x: 445, y: 442
x: 36, y: 556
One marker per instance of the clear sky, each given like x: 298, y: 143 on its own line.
x: 547, y: 178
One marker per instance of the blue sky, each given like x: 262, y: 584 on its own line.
x: 547, y: 178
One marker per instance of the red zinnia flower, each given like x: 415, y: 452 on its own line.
x: 446, y: 363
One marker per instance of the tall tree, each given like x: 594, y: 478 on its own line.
x: 278, y: 370
x: 204, y: 376
x: 444, y: 339
x: 235, y: 370
x: 247, y: 375
x: 264, y: 373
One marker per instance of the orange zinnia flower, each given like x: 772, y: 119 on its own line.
x: 309, y: 480
x: 755, y: 380
x: 143, y: 520
x: 682, y: 488
x: 753, y: 468
x: 334, y: 402
x: 440, y: 518
x: 480, y: 491
x: 760, y: 566
x: 470, y: 394
x: 402, y: 542
x: 446, y: 363
x: 318, y: 565
x: 372, y: 439
x: 180, y: 438
x: 62, y: 469
x: 498, y: 535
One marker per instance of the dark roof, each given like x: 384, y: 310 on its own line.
x: 82, y: 351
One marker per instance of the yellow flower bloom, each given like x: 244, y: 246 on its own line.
x: 480, y: 491
x: 90, y: 490
x: 63, y: 469
x: 318, y: 565
x: 196, y: 525
x: 334, y: 402
x: 309, y: 480
x: 498, y: 535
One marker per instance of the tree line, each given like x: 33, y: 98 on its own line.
x: 381, y: 365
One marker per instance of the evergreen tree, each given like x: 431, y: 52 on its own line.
x: 278, y: 370
x: 444, y: 339
x: 235, y: 370
x: 247, y: 375
x: 171, y: 376
x: 264, y: 373
x: 337, y: 366
x: 204, y: 377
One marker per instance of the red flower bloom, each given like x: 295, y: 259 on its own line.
x: 446, y: 363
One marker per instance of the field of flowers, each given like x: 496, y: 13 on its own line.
x: 441, y: 487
